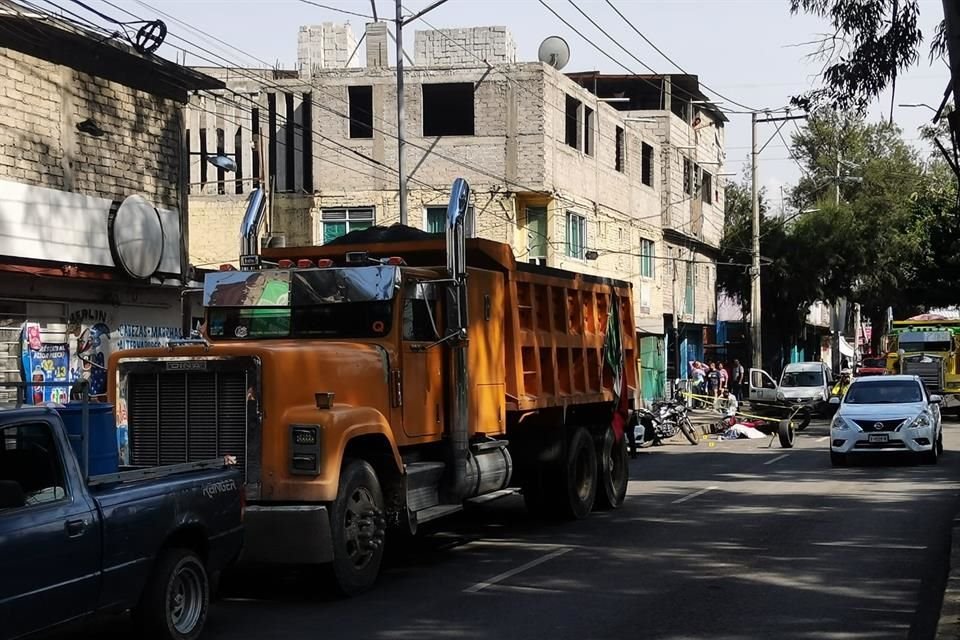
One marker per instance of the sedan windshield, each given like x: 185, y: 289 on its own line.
x: 802, y: 379
x: 886, y: 392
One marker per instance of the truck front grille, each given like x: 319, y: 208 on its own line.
x: 176, y: 416
x: 929, y: 372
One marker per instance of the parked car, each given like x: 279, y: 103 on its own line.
x: 150, y: 539
x: 804, y: 386
x: 887, y: 414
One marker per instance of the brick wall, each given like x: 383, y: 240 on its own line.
x: 40, y: 105
x: 464, y: 47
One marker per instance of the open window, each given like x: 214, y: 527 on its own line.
x: 572, y: 121
x: 646, y: 161
x: 361, y: 111
x: 448, y: 109
x: 618, y: 158
x: 31, y: 470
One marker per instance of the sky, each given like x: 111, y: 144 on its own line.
x: 750, y: 50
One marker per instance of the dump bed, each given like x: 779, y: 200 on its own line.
x: 554, y: 322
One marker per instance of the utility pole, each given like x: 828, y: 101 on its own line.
x: 756, y: 343
x: 401, y: 119
x: 401, y: 139
x: 756, y: 335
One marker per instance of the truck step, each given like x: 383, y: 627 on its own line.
x: 438, y: 511
x: 494, y: 495
x: 423, y: 484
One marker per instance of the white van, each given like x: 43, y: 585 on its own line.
x: 803, y: 383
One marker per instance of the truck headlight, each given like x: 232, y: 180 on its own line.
x: 305, y: 449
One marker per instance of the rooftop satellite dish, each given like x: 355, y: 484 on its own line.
x: 555, y: 52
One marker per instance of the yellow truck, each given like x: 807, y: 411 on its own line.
x: 368, y: 386
x: 928, y: 347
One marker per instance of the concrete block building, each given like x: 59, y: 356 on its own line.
x: 568, y: 175
x: 93, y: 199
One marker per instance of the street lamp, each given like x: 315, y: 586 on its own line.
x: 226, y: 163
x: 918, y: 104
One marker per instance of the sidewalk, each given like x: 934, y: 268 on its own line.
x: 949, y: 625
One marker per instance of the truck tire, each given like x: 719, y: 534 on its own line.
x: 357, y: 526
x: 176, y: 600
x: 787, y: 432
x: 613, y: 471
x: 579, y: 484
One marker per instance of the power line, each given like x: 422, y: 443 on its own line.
x: 671, y: 61
x: 338, y: 10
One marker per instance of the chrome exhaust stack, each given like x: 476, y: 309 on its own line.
x: 457, y: 336
x: 250, y: 230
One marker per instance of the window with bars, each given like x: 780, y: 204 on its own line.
x: 341, y: 221
x: 576, y: 235
x: 690, y: 290
x: 537, y: 235
x: 687, y: 177
x: 706, y: 188
x: 618, y: 159
x: 435, y: 221
x: 647, y: 258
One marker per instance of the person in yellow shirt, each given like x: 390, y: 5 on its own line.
x: 840, y: 388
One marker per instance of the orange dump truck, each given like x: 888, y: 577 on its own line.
x: 371, y: 386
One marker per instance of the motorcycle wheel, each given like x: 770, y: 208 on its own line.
x: 689, y: 431
x: 787, y: 432
x: 803, y: 418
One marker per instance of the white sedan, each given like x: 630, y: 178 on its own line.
x: 887, y: 414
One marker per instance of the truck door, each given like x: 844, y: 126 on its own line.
x: 763, y: 388
x: 49, y: 534
x: 423, y: 365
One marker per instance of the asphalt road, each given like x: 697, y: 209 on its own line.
x: 723, y: 540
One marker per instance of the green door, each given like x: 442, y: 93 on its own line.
x: 653, y: 370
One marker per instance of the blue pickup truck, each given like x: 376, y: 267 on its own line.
x: 150, y: 540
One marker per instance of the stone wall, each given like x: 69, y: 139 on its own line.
x: 41, y: 104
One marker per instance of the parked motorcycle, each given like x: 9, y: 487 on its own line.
x: 664, y: 420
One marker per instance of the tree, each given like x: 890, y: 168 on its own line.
x: 872, y: 42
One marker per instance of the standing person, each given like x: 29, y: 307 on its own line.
x: 738, y: 375
x: 724, y: 377
x: 713, y: 381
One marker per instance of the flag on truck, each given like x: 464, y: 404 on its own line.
x: 613, y: 358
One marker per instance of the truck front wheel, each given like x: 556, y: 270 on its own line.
x: 176, y: 600
x: 357, y: 524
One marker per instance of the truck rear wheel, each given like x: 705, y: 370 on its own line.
x: 613, y: 471
x: 176, y: 600
x: 357, y: 525
x: 580, y: 481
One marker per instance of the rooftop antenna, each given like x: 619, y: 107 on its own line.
x: 555, y: 52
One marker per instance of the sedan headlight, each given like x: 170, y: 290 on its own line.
x: 842, y: 424
x: 922, y: 421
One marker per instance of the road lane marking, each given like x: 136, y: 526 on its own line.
x: 480, y: 586
x: 693, y: 495
x: 867, y: 545
x: 823, y: 438
x: 786, y: 455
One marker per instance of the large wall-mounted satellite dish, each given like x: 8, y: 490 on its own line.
x: 555, y: 52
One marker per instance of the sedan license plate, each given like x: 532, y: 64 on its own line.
x: 878, y: 437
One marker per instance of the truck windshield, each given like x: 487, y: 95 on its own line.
x: 886, y: 392
x: 920, y: 341
x: 355, y: 302
x: 802, y: 379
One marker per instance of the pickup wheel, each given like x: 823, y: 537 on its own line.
x: 357, y: 525
x: 176, y: 600
x: 613, y: 471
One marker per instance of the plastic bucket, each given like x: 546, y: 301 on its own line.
x: 102, y: 447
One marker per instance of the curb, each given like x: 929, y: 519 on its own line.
x: 948, y: 628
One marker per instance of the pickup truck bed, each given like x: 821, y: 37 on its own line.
x: 69, y: 548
